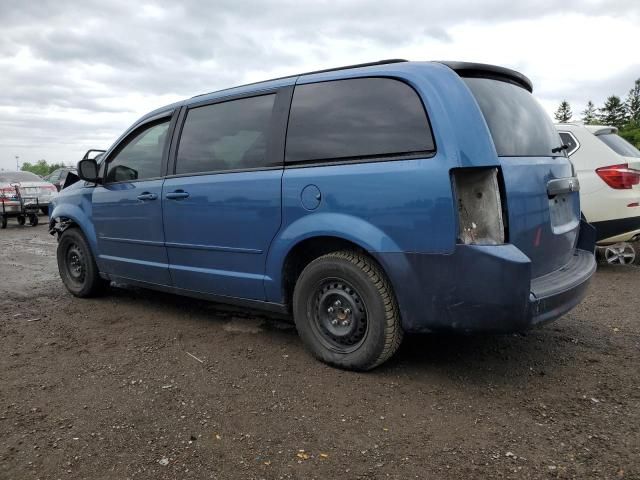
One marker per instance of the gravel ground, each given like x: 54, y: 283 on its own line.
x: 144, y: 385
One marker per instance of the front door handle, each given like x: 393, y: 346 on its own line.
x: 177, y: 195
x: 147, y: 196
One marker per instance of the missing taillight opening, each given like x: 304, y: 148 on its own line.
x: 480, y: 209
x: 619, y: 177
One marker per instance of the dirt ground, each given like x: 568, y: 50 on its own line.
x: 143, y: 385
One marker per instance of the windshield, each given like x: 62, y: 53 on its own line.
x: 619, y: 145
x: 518, y: 124
x: 12, y: 177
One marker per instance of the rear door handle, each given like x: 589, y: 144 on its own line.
x: 147, y: 196
x: 177, y: 195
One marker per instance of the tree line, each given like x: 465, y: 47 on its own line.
x: 625, y: 115
x: 41, y: 167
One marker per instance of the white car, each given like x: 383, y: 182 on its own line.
x: 608, y: 168
x: 31, y: 187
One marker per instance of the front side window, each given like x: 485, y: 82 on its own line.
x: 518, y: 124
x: 230, y: 135
x: 619, y: 145
x: 356, y: 118
x: 570, y: 141
x: 141, y: 157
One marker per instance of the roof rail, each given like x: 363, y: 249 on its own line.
x: 357, y: 65
x: 334, y: 69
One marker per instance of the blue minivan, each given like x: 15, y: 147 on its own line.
x: 367, y: 201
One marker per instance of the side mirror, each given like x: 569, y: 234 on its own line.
x: 88, y: 171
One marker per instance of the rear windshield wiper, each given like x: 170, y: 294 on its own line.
x: 560, y: 148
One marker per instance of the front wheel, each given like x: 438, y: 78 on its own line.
x: 33, y: 220
x: 77, y: 267
x: 345, y: 311
x: 3, y: 222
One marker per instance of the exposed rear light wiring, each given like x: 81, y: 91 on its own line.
x: 619, y: 177
x: 480, y: 209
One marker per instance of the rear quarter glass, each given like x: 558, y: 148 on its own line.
x: 356, y: 118
x: 518, y: 124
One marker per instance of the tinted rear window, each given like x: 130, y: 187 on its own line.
x: 619, y: 145
x: 518, y: 124
x: 8, y: 177
x: 356, y: 118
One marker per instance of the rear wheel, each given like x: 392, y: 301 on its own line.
x: 21, y: 220
x: 3, y: 222
x: 619, y: 254
x: 33, y: 220
x: 345, y: 311
x: 77, y: 267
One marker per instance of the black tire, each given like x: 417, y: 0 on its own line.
x: 351, y: 289
x: 44, y: 210
x: 636, y: 248
x: 3, y: 222
x: 21, y: 220
x: 33, y: 220
x: 77, y: 267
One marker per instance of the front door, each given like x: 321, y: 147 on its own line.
x: 127, y: 207
x: 222, y: 206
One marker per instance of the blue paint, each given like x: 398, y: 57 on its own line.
x: 228, y: 234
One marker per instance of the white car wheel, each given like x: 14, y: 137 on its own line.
x: 620, y: 254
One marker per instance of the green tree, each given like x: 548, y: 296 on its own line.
x: 631, y: 133
x: 41, y: 167
x: 564, y: 113
x: 589, y: 114
x: 613, y: 112
x: 633, y: 104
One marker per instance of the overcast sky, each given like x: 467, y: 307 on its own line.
x: 75, y: 73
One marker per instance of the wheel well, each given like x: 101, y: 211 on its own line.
x: 304, y: 253
x: 58, y: 225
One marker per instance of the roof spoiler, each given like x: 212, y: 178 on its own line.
x: 482, y: 70
x: 603, y: 130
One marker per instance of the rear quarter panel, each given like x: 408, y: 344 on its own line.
x: 401, y: 206
x: 599, y: 202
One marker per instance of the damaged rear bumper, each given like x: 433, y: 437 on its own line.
x: 486, y: 288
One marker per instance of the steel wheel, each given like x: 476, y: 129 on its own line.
x: 345, y: 311
x: 619, y: 254
x: 76, y: 263
x: 77, y: 267
x: 339, y: 315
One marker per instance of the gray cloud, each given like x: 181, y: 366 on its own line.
x: 585, y: 89
x: 64, y: 59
